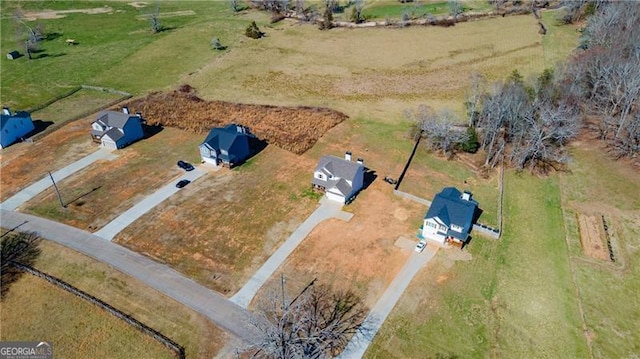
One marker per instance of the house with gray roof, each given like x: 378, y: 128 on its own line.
x: 339, y: 178
x: 450, y: 217
x: 227, y: 146
x: 14, y: 126
x: 114, y: 130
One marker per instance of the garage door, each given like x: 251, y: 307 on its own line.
x: 335, y: 197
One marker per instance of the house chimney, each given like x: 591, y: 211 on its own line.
x: 466, y: 196
x: 360, y: 161
x: 125, y: 109
x: 347, y: 156
x: 138, y: 114
x: 239, y: 128
x: 5, y: 111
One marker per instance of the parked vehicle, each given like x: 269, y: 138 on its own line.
x: 420, y: 246
x: 182, y: 183
x: 185, y: 166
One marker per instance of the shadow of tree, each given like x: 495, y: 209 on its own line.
x: 16, y: 247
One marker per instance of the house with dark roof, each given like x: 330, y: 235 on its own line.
x: 227, y: 146
x: 450, y: 217
x: 14, y: 126
x: 339, y: 178
x: 114, y: 130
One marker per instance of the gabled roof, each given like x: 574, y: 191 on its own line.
x: 450, y: 208
x: 224, y: 138
x: 114, y: 118
x: 5, y: 119
x: 338, y: 167
x: 114, y: 134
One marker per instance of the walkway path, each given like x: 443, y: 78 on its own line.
x: 114, y: 227
x: 361, y: 341
x: 327, y: 209
x: 212, y: 305
x: 29, y: 192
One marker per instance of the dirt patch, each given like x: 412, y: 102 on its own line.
x: 138, y: 4
x: 59, y: 14
x: 591, y: 236
x: 295, y: 129
x: 164, y: 15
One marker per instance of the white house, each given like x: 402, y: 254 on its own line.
x: 14, y: 126
x: 113, y: 129
x: 340, y: 179
x: 450, y: 217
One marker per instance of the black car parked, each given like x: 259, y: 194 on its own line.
x: 182, y: 183
x: 185, y: 166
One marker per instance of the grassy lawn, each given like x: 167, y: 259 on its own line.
x: 99, y: 193
x: 514, y: 298
x: 75, y: 105
x: 381, y: 10
x: 608, y: 290
x: 123, y: 54
x: 37, y: 310
x: 397, y: 69
x: 560, y: 39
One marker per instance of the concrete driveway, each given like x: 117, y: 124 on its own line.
x: 380, y: 311
x: 328, y: 209
x: 214, y: 306
x: 31, y: 191
x: 114, y: 227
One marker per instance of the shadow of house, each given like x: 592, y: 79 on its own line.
x: 39, y: 126
x: 151, y: 130
x: 230, y: 146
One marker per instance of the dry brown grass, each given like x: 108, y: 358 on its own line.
x: 34, y: 309
x: 371, y: 72
x: 25, y: 163
x: 108, y: 188
x: 295, y: 129
x: 221, y: 228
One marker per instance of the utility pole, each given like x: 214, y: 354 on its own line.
x: 283, y: 280
x: 57, y: 191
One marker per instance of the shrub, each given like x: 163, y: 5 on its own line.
x: 471, y: 145
x: 253, y: 31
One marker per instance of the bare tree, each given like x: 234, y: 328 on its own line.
x: 235, y: 5
x: 607, y: 73
x: 154, y: 19
x: 21, y: 247
x: 26, y: 34
x: 356, y: 11
x: 318, y: 323
x: 472, y: 104
x: 439, y: 128
x: 455, y: 8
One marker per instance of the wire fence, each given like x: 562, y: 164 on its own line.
x: 161, y: 338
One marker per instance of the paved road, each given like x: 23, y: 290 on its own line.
x: 212, y: 305
x: 114, y: 227
x: 327, y: 209
x: 361, y: 341
x: 29, y: 192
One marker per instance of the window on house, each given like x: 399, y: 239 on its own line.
x: 320, y: 176
x: 456, y: 228
x: 431, y: 224
x: 442, y: 228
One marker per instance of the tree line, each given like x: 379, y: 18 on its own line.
x: 528, y: 123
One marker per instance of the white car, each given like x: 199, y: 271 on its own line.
x: 420, y: 246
